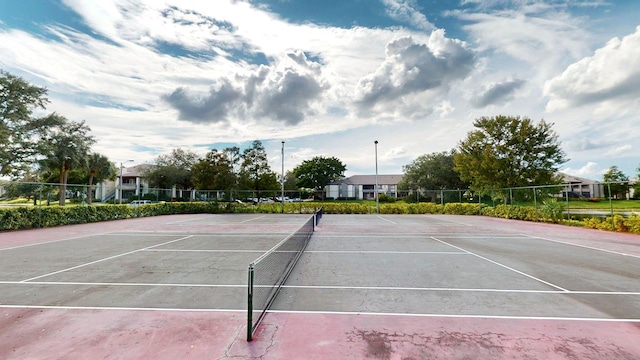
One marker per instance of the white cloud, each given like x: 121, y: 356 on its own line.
x: 412, y: 68
x: 406, y: 10
x: 590, y: 170
x: 613, y: 72
x: 496, y: 93
x: 533, y: 32
x: 239, y: 72
x: 282, y: 92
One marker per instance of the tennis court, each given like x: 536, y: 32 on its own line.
x: 367, y: 286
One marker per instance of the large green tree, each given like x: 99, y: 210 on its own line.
x: 432, y: 171
x: 255, y: 172
x: 172, y: 169
x: 506, y: 152
x: 64, y: 147
x: 618, y: 182
x: 19, y: 131
x: 319, y: 172
x: 214, y: 172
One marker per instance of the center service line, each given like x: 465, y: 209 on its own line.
x: 502, y: 265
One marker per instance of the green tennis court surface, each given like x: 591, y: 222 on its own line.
x: 367, y: 286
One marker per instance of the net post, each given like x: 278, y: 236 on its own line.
x: 250, y: 305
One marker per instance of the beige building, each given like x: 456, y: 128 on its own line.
x: 362, y: 187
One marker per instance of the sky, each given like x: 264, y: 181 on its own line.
x: 331, y: 77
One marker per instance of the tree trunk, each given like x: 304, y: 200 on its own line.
x: 90, y: 192
x: 63, y: 187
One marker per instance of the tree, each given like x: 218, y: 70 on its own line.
x: 636, y: 185
x: 319, y: 172
x: 214, y: 172
x: 290, y: 181
x: 619, y: 182
x: 507, y: 152
x: 431, y: 172
x: 19, y: 131
x: 255, y: 172
x: 65, y: 147
x: 99, y: 168
x: 172, y: 169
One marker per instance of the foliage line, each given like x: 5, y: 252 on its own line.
x: 39, y: 217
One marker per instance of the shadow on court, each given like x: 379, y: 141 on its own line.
x: 379, y: 287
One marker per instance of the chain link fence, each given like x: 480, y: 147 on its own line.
x: 579, y: 199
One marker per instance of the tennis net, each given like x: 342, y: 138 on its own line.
x: 268, y: 272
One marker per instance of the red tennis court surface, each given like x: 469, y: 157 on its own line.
x: 368, y: 287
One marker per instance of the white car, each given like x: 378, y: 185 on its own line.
x: 139, y: 202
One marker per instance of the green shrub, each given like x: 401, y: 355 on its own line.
x: 384, y: 198
x: 463, y: 208
x: 394, y: 209
x: 633, y: 223
x: 592, y: 223
x: 552, y: 210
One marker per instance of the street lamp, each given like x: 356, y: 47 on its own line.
x: 120, y: 187
x: 282, y: 194
x: 376, y: 193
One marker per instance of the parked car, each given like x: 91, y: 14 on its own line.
x: 139, y: 202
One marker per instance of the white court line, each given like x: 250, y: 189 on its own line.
x: 502, y: 265
x: 583, y: 246
x: 76, y: 283
x: 632, y: 293
x: 448, y: 221
x: 259, y: 217
x: 7, y: 306
x: 188, y: 220
x: 206, y: 251
x: 505, y: 317
x: 318, y: 287
x: 385, y: 252
x: 53, y: 241
x: 111, y: 308
x: 418, y: 235
x: 387, y: 220
x: 105, y: 259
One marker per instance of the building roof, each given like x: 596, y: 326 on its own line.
x: 135, y: 171
x: 370, y: 180
x: 570, y: 179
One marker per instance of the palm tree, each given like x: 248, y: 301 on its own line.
x: 66, y: 146
x: 100, y: 168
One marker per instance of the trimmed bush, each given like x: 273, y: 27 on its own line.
x: 37, y: 217
x: 633, y: 223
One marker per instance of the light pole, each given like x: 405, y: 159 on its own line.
x: 376, y: 191
x: 282, y: 193
x: 120, y: 187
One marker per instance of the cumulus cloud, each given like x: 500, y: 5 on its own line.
x: 412, y: 68
x: 589, y: 170
x: 208, y: 109
x: 394, y: 153
x: 612, y: 73
x: 496, y: 93
x: 283, y: 91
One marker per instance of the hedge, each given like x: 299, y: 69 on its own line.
x: 38, y: 217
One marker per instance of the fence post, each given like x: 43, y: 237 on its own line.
x: 568, y: 207
x: 613, y: 219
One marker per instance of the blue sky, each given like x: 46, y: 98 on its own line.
x: 331, y: 77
